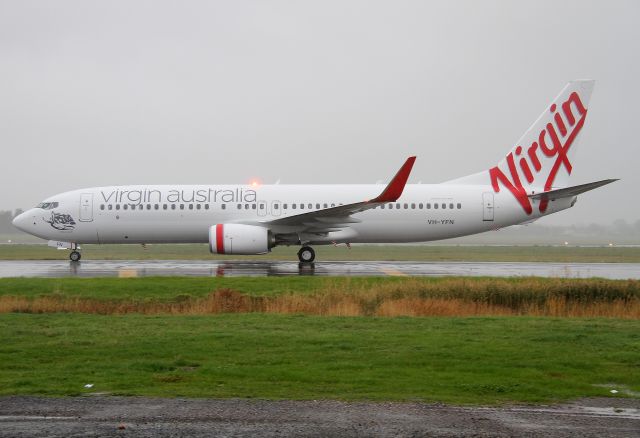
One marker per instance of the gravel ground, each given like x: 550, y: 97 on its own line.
x: 146, y: 417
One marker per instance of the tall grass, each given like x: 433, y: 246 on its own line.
x: 411, y: 297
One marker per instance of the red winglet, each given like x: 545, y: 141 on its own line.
x: 394, y: 189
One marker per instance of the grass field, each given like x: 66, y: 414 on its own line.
x: 279, y: 338
x: 454, y: 360
x: 330, y: 253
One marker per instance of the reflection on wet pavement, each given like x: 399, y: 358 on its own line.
x: 206, y: 268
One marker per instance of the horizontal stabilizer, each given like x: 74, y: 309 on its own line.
x: 570, y: 191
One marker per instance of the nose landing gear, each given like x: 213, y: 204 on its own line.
x: 306, y: 254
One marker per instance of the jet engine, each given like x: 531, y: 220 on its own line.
x: 240, y: 239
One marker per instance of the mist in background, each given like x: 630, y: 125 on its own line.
x: 154, y: 92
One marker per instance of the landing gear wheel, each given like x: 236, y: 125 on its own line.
x: 75, y: 256
x: 306, y: 254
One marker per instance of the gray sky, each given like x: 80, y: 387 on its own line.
x: 104, y: 93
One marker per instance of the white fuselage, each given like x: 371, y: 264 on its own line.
x: 184, y: 214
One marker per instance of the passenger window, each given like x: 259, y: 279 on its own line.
x: 398, y: 206
x: 156, y: 207
x: 102, y: 207
x: 148, y: 206
x: 125, y: 207
x: 310, y: 206
x: 253, y: 206
x: 223, y: 206
x: 206, y: 206
x: 293, y: 206
x: 284, y: 206
x: 420, y: 206
x: 444, y: 205
x: 261, y: 206
x: 390, y: 206
x: 239, y: 206
x: 199, y: 206
x: 117, y: 206
x: 459, y: 206
x: 333, y: 205
x: 451, y: 206
x: 190, y: 206
x: 325, y: 206
x: 301, y: 206
x: 318, y: 206
x: 435, y: 206
x: 406, y: 206
x: 173, y: 206
x: 110, y: 207
x: 413, y: 206
x: 382, y: 206
x: 275, y: 206
x: 164, y: 206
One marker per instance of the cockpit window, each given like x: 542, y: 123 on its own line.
x: 47, y: 205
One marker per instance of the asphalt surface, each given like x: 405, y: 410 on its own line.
x: 207, y: 268
x: 147, y: 417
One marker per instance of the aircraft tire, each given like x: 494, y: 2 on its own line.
x: 306, y: 254
x: 75, y: 256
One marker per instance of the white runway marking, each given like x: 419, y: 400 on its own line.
x: 31, y: 418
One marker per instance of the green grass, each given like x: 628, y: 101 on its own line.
x: 469, y: 360
x: 452, y: 360
x: 168, y: 288
x: 330, y: 253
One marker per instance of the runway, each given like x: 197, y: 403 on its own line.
x: 213, y: 268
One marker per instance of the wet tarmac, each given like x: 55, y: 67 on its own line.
x: 179, y: 417
x: 211, y: 268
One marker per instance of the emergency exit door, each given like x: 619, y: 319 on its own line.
x: 487, y: 206
x: 86, y: 207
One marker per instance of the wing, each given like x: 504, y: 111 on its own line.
x: 336, y: 218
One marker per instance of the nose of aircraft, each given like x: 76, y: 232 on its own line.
x: 21, y: 221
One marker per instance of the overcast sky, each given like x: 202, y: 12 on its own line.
x: 144, y: 92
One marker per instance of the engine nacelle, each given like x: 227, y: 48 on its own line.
x: 240, y: 239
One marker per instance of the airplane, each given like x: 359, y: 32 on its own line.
x: 530, y: 182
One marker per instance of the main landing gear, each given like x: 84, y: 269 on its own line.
x: 306, y: 254
x: 75, y: 255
